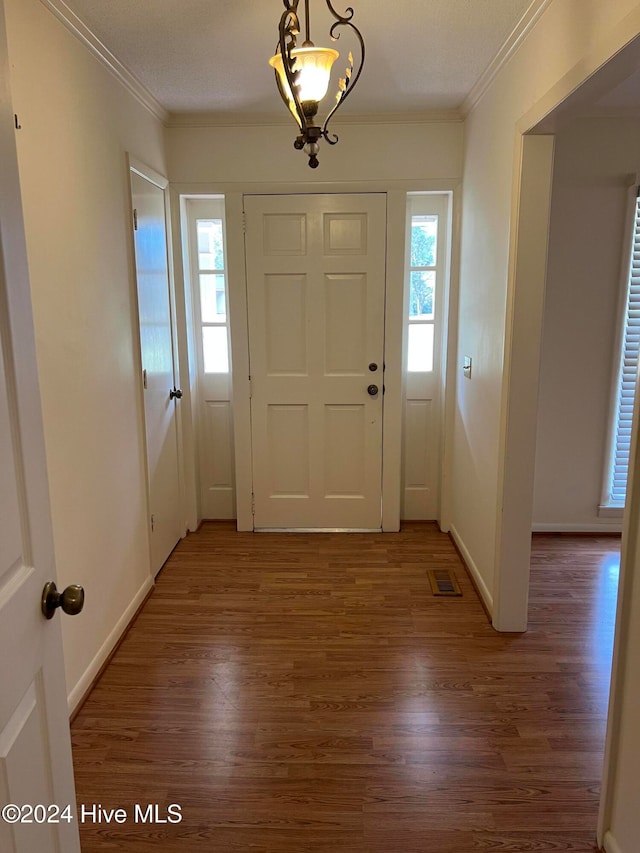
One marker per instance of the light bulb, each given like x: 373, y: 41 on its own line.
x: 314, y: 65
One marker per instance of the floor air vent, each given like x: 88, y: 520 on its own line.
x: 443, y: 582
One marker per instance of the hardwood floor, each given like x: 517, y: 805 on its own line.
x: 307, y: 693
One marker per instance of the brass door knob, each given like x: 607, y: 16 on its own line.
x: 372, y: 390
x: 175, y: 393
x: 71, y: 599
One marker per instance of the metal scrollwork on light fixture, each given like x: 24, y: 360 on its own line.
x: 303, y: 74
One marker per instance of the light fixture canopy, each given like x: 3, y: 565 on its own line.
x: 303, y: 74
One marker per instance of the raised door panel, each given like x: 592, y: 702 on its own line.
x: 345, y: 233
x: 345, y: 464
x: 345, y: 324
x: 420, y: 470
x: 25, y: 778
x: 418, y: 415
x: 284, y: 234
x: 285, y: 325
x: 217, y: 453
x: 288, y: 451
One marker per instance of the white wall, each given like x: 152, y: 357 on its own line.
x: 392, y: 158
x: 595, y: 160
x: 619, y: 820
x: 568, y: 43
x: 429, y: 151
x: 77, y: 123
x: 571, y: 41
x: 623, y: 824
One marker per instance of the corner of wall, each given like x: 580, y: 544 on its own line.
x: 474, y: 571
x: 84, y: 685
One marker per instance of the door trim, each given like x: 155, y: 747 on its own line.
x: 147, y: 173
x: 393, y: 360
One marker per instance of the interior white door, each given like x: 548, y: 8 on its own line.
x: 315, y: 288
x: 35, y: 749
x: 156, y: 344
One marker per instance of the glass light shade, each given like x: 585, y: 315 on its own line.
x: 314, y: 64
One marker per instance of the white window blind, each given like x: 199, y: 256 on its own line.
x: 628, y: 373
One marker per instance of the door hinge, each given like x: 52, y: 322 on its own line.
x: 144, y: 379
x: 253, y: 504
x: 244, y: 222
x: 250, y: 388
x: 135, y: 219
x: 153, y: 523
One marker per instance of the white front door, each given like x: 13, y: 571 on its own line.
x: 315, y: 288
x: 35, y: 748
x: 156, y: 344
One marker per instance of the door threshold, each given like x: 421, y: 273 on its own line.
x: 317, y: 530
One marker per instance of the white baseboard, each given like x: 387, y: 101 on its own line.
x: 610, y: 844
x: 487, y: 597
x: 607, y: 527
x: 76, y: 695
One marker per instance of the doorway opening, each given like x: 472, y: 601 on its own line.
x: 611, y: 84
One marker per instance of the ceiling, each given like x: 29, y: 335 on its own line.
x: 210, y: 56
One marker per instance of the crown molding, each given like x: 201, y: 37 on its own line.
x: 80, y: 30
x: 214, y: 119
x: 513, y: 42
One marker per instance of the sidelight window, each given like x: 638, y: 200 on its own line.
x: 212, y: 291
x: 204, y: 243
x: 423, y: 259
x: 426, y: 270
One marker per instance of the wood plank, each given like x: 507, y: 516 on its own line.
x: 298, y: 692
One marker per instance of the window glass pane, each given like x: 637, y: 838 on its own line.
x: 420, y: 356
x: 212, y: 298
x: 421, y: 294
x: 215, y: 350
x: 424, y: 237
x: 210, y: 244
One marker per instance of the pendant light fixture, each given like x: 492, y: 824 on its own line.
x: 303, y: 74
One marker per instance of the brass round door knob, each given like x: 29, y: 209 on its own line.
x: 372, y: 390
x: 71, y: 600
x: 175, y: 394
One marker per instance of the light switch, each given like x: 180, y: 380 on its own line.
x: 466, y: 366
